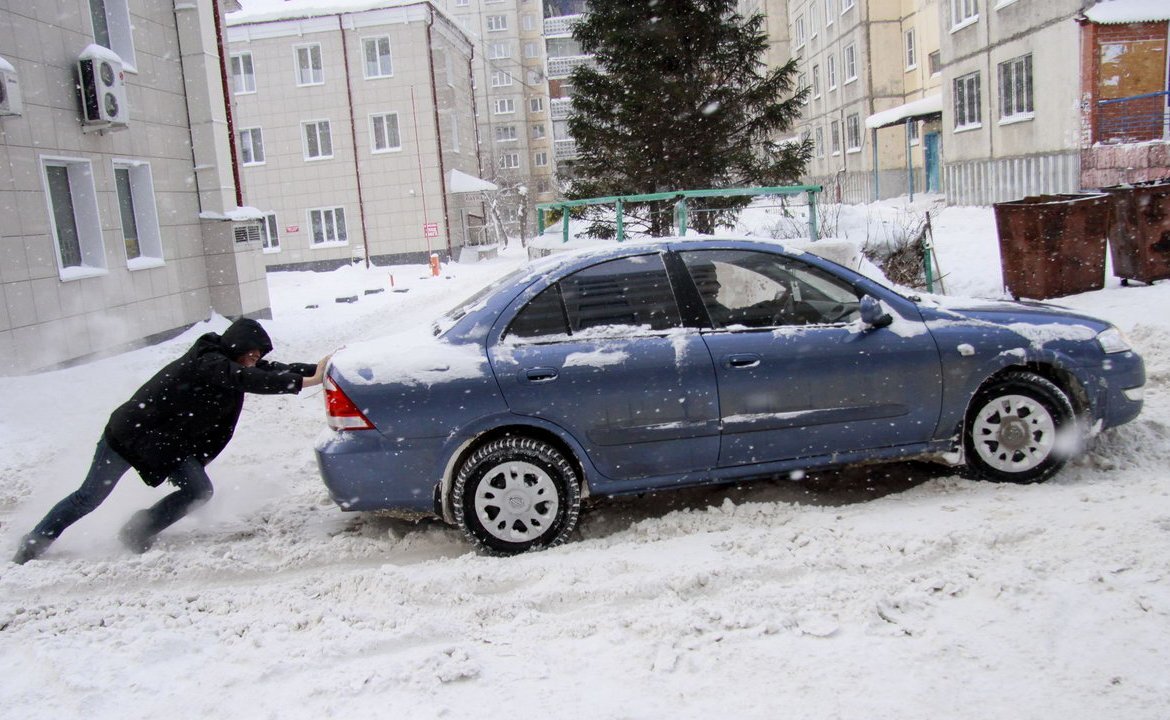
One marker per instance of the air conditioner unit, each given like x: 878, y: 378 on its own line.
x: 103, y: 90
x: 9, y: 89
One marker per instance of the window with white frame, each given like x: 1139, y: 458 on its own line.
x: 802, y: 84
x: 830, y: 11
x: 509, y: 161
x: 911, y: 49
x: 506, y: 133
x: 252, y: 146
x: 504, y: 106
x: 831, y: 71
x: 835, y: 137
x: 113, y: 29
x: 243, y: 74
x: 964, y: 12
x: 966, y: 90
x: 73, y: 211
x: 799, y: 31
x: 327, y: 226
x: 309, y: 68
x: 496, y: 23
x: 528, y: 20
x: 814, y: 21
x: 531, y: 49
x: 384, y: 131
x: 1015, y: 89
x: 850, y: 63
x: 462, y: 3
x: 540, y: 159
x: 819, y: 142
x: 534, y: 77
x: 914, y: 131
x: 934, y: 62
x: 139, y: 214
x: 852, y: 132
x: 816, y: 81
x: 501, y: 78
x: 536, y: 105
x: 318, y: 140
x: 846, y: 5
x: 269, y: 234
x: 377, y: 54
x: 499, y: 50
x: 538, y: 131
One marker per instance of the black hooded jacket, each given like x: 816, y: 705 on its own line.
x: 191, y: 406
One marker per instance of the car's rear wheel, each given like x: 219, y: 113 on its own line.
x: 516, y: 494
x: 1015, y: 427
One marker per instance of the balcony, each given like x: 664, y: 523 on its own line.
x: 560, y: 26
x: 565, y: 150
x: 560, y: 109
x: 562, y: 67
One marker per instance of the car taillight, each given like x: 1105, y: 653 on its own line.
x: 340, y: 411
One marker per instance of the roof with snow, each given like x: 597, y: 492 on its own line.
x: 270, y: 10
x: 929, y: 105
x: 1115, y: 12
x: 461, y: 182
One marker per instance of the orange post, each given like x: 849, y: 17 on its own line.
x: 435, y: 264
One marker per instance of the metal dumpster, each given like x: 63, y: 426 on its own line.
x: 1139, y: 241
x: 1053, y: 245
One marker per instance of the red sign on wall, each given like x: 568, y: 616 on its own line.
x: 292, y: 228
x: 431, y: 230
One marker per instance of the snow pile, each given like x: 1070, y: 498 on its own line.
x: 897, y: 591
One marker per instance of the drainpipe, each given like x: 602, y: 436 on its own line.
x: 438, y: 130
x: 357, y: 170
x: 221, y: 46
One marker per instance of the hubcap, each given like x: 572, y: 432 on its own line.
x: 1014, y: 433
x: 516, y: 501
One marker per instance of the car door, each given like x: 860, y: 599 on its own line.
x: 797, y: 373
x: 602, y: 354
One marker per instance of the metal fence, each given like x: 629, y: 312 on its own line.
x: 1138, y: 118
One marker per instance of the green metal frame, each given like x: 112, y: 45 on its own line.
x: 680, y: 207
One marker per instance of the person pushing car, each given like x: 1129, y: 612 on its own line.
x: 171, y: 428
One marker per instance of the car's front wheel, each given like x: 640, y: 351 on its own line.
x: 1015, y: 427
x: 516, y: 494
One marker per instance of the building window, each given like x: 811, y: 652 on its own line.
x: 540, y: 159
x: 112, y: 29
x: 935, y: 62
x: 501, y: 78
x: 269, y: 236
x: 967, y: 102
x: 538, y: 131
x: 799, y: 31
x: 73, y: 210
x: 309, y: 69
x: 328, y: 226
x: 252, y: 146
x: 914, y: 132
x: 138, y: 213
x: 816, y: 81
x: 506, y: 133
x: 529, y: 21
x: 835, y: 137
x: 853, y: 133
x: 462, y: 3
x: 500, y: 50
x: 911, y: 50
x: 509, y: 161
x: 531, y: 50
x: 846, y: 5
x: 1015, y: 88
x: 963, y: 13
x: 243, y: 74
x: 534, y: 77
x: 802, y: 84
x: 850, y: 63
x: 536, y: 105
x: 496, y: 23
x: 385, y: 132
x: 504, y: 106
x: 830, y: 11
x: 318, y: 140
x: 378, y: 61
x: 819, y: 142
x: 814, y: 22
x: 831, y: 72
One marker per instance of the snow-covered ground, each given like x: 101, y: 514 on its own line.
x: 899, y: 591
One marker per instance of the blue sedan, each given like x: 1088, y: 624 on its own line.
x: 680, y: 362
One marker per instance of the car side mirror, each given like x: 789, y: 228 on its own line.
x: 873, y: 314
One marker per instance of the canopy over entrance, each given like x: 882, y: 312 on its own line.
x: 461, y: 182
x: 916, y: 110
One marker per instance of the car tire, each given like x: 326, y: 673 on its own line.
x: 1015, y: 429
x: 516, y: 494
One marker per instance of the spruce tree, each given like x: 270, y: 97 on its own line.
x: 680, y: 99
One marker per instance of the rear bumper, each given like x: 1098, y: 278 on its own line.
x: 364, y: 471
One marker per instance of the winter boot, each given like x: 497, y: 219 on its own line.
x: 32, y: 546
x: 135, y: 534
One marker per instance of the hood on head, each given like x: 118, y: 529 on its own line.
x: 245, y: 334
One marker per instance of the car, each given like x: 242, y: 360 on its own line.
x: 643, y: 366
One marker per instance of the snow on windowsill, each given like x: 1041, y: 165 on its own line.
x: 145, y: 263
x: 966, y: 23
x: 1021, y: 117
x: 80, y: 273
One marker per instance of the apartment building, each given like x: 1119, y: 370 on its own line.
x: 564, y: 56
x: 355, y: 128
x: 512, y: 109
x: 120, y: 219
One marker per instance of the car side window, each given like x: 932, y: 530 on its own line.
x: 543, y: 316
x: 745, y: 288
x: 629, y: 292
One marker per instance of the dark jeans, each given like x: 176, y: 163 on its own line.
x: 107, y: 468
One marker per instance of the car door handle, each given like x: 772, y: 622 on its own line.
x: 743, y: 360
x: 538, y: 374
